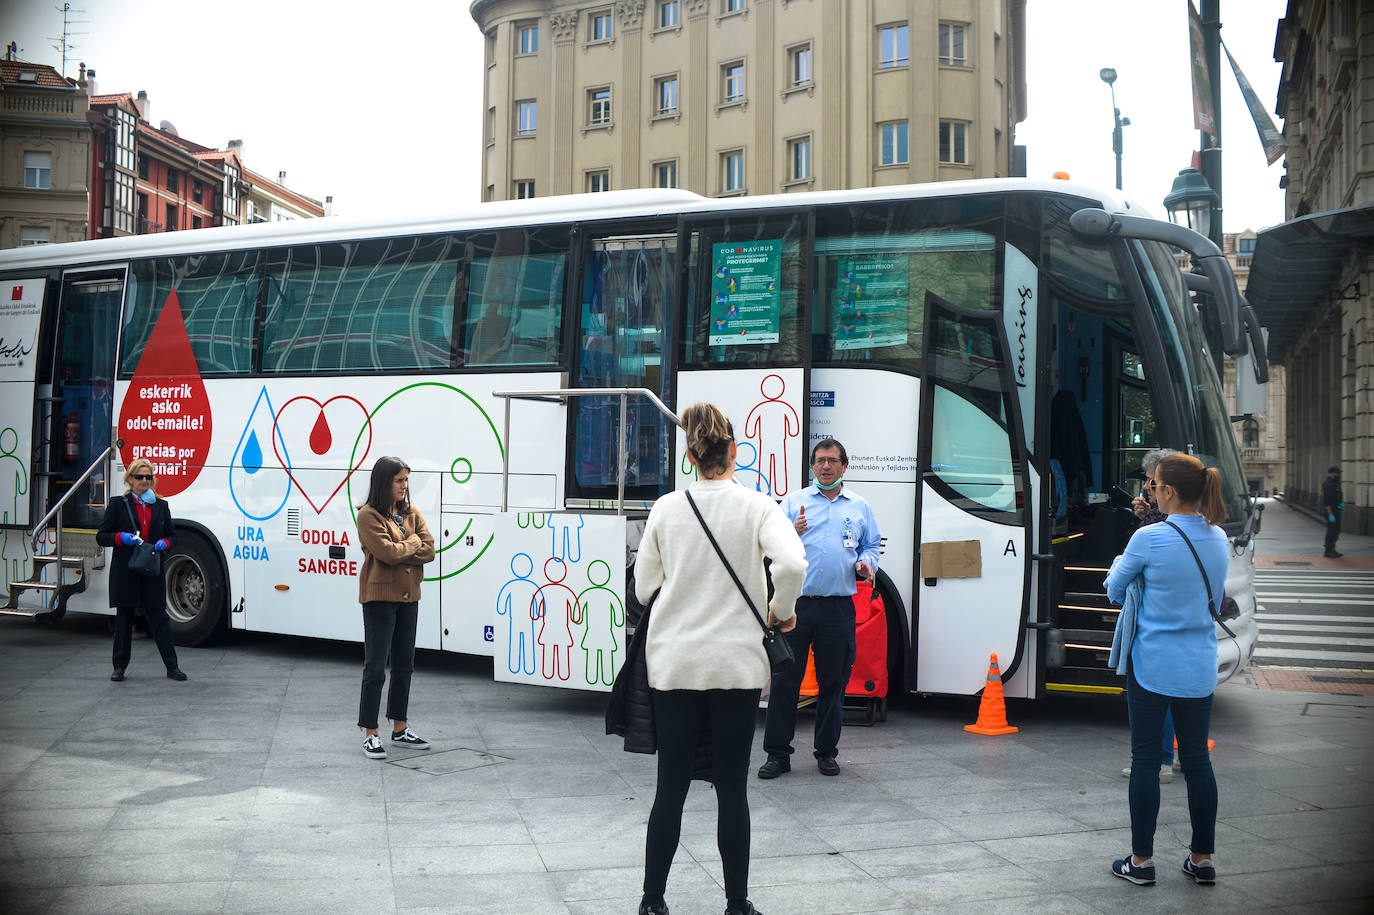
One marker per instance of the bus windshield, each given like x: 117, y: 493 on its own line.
x: 1207, y: 422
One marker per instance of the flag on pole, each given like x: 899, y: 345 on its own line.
x: 1203, y: 118
x: 1270, y: 138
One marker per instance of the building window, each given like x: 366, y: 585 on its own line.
x: 893, y: 48
x: 1249, y: 431
x: 600, y: 26
x: 34, y: 235
x: 170, y: 223
x: 665, y: 174
x: 196, y: 222
x: 124, y: 156
x: 529, y: 38
x: 526, y: 118
x: 599, y: 106
x: 598, y: 181
x: 173, y: 180
x: 251, y: 214
x: 954, y: 142
x: 491, y: 126
x: 143, y: 167
x: 732, y: 82
x: 732, y: 6
x: 732, y: 171
x: 668, y: 14
x: 197, y: 191
x: 665, y: 95
x: 892, y: 140
x: 799, y: 159
x: 124, y: 202
x: 38, y: 170
x: 1245, y: 246
x: 952, y: 45
x: 524, y: 190
x: 799, y: 65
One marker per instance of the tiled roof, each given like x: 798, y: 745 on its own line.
x: 307, y: 203
x: 111, y: 99
x: 47, y: 76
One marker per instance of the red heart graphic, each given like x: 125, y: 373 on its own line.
x: 321, y: 436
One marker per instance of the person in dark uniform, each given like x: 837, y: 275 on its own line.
x: 136, y: 517
x: 1333, y: 502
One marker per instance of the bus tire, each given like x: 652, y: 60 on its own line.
x: 195, y: 591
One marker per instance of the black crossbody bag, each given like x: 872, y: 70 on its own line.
x: 779, y: 650
x: 1211, y: 602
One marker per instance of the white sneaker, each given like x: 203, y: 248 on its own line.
x: 372, y: 747
x: 1126, y: 772
x: 1166, y: 774
x: 408, y: 738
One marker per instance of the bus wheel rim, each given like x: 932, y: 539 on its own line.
x: 185, y: 589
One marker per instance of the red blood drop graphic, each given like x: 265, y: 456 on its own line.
x: 165, y: 416
x: 320, y: 436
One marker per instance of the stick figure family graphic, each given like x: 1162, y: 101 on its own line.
x: 547, y: 618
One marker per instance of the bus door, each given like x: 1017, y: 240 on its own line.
x: 83, y: 389
x: 972, y: 586
x: 623, y: 332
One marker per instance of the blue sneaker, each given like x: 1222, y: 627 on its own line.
x: 1203, y: 873
x: 1139, y: 874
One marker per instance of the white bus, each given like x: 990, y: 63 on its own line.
x: 996, y: 356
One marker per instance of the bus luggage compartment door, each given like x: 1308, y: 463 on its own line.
x: 971, y: 598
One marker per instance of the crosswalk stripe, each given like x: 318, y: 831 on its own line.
x: 1365, y: 631
x: 1310, y: 654
x: 1295, y: 598
x: 1266, y: 617
x: 1284, y: 638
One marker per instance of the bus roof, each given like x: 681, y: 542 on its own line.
x: 516, y: 213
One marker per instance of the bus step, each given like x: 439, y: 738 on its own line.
x: 67, y: 562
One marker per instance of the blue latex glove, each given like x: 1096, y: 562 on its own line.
x: 1331, y: 518
x: 128, y: 539
x: 160, y: 546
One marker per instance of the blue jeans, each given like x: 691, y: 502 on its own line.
x: 1192, y: 718
x: 388, y: 635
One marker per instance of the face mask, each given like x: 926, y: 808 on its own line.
x: 148, y: 497
x: 837, y: 482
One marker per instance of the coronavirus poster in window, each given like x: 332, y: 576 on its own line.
x: 871, y: 302
x: 746, y: 297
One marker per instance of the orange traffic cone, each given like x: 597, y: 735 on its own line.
x: 992, y: 711
x: 809, y: 686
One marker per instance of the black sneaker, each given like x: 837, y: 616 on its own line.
x: 747, y: 910
x: 828, y: 765
x: 774, y: 767
x: 118, y: 674
x: 408, y: 738
x: 1139, y: 874
x: 653, y: 908
x: 1332, y: 554
x: 372, y: 747
x: 175, y: 674
x: 1203, y: 873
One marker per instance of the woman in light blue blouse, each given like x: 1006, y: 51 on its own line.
x: 1174, y: 656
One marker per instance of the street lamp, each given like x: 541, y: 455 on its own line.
x: 1109, y: 77
x: 1192, y: 202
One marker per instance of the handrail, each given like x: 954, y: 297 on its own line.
x: 624, y: 395
x: 38, y: 528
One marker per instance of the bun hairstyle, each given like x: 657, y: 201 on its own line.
x: 379, y: 490
x: 1194, y: 483
x: 709, y: 435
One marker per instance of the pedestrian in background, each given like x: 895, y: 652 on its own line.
x: 841, y: 538
x: 396, y: 545
x: 1333, y: 503
x: 704, y: 649
x: 134, y: 518
x: 1173, y: 656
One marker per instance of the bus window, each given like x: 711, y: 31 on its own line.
x: 514, y: 306
x: 743, y: 289
x: 627, y: 293
x: 382, y: 305
x: 218, y: 295
x: 874, y: 266
x: 1086, y: 269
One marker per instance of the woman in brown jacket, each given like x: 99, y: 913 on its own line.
x: 396, y: 545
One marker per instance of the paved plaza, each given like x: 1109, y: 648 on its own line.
x: 245, y: 790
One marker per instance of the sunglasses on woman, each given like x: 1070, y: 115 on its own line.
x: 140, y: 476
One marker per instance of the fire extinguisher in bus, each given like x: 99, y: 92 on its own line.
x: 71, y: 437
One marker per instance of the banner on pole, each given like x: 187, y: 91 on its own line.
x: 1203, y: 116
x: 1270, y: 137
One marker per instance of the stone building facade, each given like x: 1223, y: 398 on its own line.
x: 44, y: 143
x: 726, y: 97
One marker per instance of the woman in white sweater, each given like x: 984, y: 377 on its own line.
x: 704, y: 651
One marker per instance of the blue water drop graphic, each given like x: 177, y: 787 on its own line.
x: 252, y: 454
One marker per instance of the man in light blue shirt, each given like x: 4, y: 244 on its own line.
x: 841, y: 538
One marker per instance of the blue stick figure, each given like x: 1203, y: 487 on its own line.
x: 516, y: 603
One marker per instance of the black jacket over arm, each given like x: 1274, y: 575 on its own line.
x: 129, y: 589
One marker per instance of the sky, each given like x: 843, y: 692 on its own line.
x: 384, y: 112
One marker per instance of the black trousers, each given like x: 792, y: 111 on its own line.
x: 826, y: 625
x: 388, y: 635
x: 158, y: 625
x: 678, y: 714
x: 1333, y: 530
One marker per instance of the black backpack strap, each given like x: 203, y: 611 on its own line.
x: 1211, y: 601
x: 721, y: 553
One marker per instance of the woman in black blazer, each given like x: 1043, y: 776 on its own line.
x: 138, y: 516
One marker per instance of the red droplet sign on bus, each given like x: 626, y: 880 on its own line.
x: 165, y: 416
